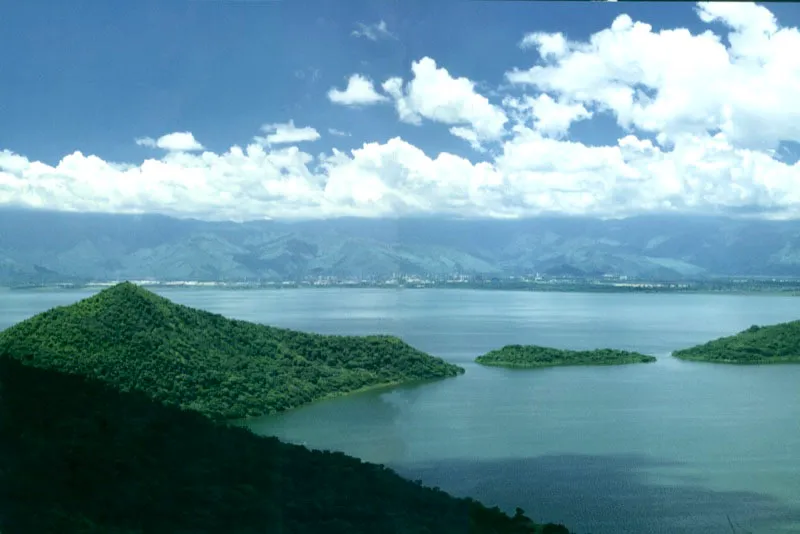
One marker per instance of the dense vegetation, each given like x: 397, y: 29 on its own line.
x: 77, y: 456
x: 535, y: 356
x: 136, y: 340
x: 778, y: 343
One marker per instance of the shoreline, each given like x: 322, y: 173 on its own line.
x: 339, y: 394
x: 582, y: 289
x: 794, y: 361
x: 551, y: 365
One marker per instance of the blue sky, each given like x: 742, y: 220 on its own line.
x: 93, y: 76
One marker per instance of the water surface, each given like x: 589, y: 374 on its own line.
x: 669, y: 447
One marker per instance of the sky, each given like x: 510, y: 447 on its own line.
x: 287, y: 109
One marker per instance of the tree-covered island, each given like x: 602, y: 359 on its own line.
x: 531, y: 356
x: 779, y: 343
x: 134, y: 339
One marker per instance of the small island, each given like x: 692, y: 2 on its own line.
x: 779, y: 343
x: 529, y: 356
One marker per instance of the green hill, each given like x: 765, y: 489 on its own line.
x: 79, y: 457
x: 136, y: 340
x: 535, y: 356
x: 778, y: 343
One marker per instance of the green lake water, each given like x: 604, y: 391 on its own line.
x: 669, y: 447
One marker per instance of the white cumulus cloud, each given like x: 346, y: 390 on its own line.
x: 286, y: 133
x: 704, y: 115
x: 177, y: 141
x: 360, y: 91
x: 672, y: 82
x: 434, y: 94
x: 548, y: 116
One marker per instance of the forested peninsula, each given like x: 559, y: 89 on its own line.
x: 134, y: 339
x: 779, y: 343
x: 79, y: 457
x: 531, y: 356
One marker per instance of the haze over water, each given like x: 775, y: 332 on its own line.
x: 667, y: 447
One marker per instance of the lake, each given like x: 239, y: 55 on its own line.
x: 670, y: 447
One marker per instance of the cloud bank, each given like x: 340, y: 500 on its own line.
x: 703, y: 116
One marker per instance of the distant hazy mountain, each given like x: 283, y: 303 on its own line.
x: 45, y: 246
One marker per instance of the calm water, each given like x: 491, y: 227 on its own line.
x: 669, y: 447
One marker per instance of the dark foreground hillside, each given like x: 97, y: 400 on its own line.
x: 79, y: 457
x: 134, y: 339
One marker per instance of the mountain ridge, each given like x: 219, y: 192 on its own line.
x: 47, y: 246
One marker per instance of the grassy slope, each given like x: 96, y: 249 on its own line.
x: 526, y: 356
x: 778, y: 343
x: 136, y: 340
x: 78, y: 457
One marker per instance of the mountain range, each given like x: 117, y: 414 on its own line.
x: 47, y: 246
